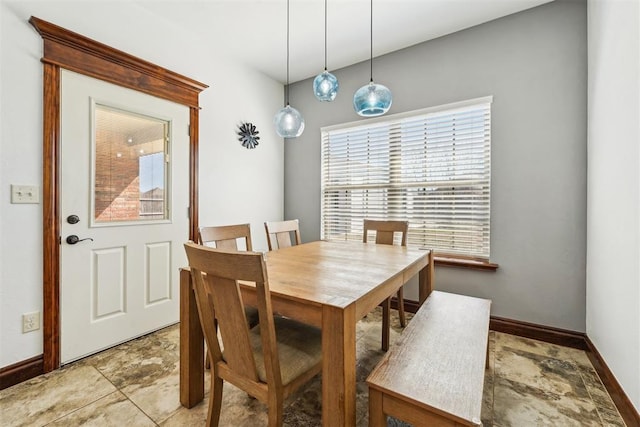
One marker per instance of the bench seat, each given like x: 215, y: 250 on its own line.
x: 434, y: 374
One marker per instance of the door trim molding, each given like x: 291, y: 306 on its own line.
x: 74, y: 52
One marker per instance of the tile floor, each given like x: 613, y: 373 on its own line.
x: 529, y: 383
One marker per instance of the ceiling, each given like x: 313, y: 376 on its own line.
x: 254, y: 31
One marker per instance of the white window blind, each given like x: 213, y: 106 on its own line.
x: 431, y: 167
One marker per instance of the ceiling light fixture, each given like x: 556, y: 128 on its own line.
x: 372, y: 99
x: 325, y: 85
x: 288, y: 121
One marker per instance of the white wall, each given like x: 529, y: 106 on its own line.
x: 2, y: 192
x: 236, y: 184
x: 613, y: 206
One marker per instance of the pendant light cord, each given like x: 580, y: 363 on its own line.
x: 371, y: 36
x: 286, y: 92
x: 325, y: 35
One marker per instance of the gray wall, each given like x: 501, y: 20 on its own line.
x: 534, y: 63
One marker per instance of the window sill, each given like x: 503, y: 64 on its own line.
x: 460, y: 262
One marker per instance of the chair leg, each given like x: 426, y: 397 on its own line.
x: 215, y: 400
x: 386, y: 324
x: 403, y: 318
x: 276, y: 411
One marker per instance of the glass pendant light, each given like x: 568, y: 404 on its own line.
x: 288, y: 121
x: 372, y: 99
x: 325, y: 85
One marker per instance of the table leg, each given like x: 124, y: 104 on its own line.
x: 426, y: 279
x: 386, y: 323
x: 377, y: 418
x: 191, y: 345
x: 338, y: 366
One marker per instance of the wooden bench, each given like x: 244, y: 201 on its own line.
x: 434, y: 375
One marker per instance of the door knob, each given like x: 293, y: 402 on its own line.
x: 73, y: 219
x: 73, y: 239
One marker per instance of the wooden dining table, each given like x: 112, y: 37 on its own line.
x: 331, y: 285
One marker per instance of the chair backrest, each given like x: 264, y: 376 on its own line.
x: 226, y: 236
x: 385, y: 231
x: 218, y: 287
x: 279, y: 233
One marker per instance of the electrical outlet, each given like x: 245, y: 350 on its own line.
x: 30, y: 322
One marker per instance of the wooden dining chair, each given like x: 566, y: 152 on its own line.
x: 269, y: 361
x: 385, y: 234
x: 226, y: 237
x: 279, y: 233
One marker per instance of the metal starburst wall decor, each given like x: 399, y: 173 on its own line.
x: 248, y: 135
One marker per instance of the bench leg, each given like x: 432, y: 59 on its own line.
x: 386, y: 323
x: 377, y: 418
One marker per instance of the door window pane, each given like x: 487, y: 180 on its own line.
x: 130, y: 170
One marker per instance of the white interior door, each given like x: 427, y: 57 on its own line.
x: 125, y: 189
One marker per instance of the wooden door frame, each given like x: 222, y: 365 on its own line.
x: 64, y: 49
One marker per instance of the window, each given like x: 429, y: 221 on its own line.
x: 130, y: 172
x: 431, y: 167
x: 151, y: 171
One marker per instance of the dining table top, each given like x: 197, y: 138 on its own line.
x: 338, y: 273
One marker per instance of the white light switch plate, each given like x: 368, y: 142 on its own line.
x: 25, y: 194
